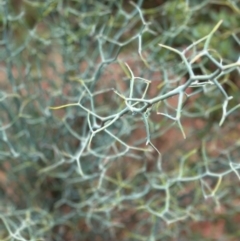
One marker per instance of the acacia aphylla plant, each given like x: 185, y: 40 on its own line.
x: 115, y: 113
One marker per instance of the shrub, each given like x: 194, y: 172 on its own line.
x: 119, y: 120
